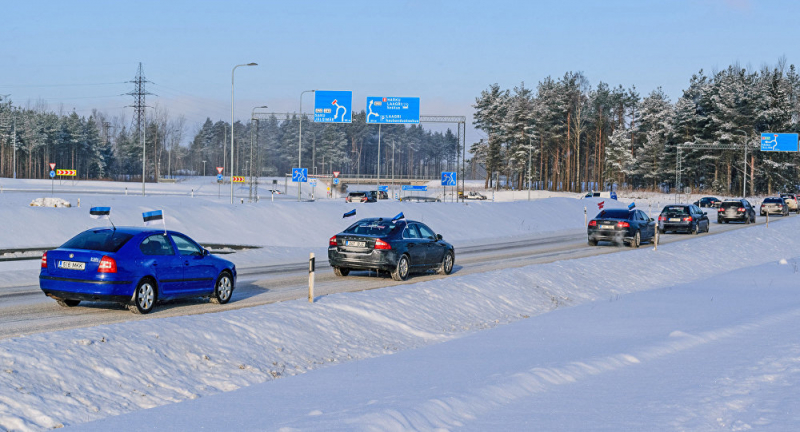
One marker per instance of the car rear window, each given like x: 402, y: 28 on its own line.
x: 731, y: 204
x: 675, y: 210
x: 371, y: 227
x: 105, y: 240
x: 357, y: 194
x: 613, y: 214
x: 773, y: 200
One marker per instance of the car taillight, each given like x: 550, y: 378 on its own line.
x: 623, y: 224
x: 721, y: 210
x: 592, y: 223
x: 332, y: 241
x: 380, y: 244
x: 687, y: 219
x: 364, y: 199
x: 741, y: 209
x: 662, y: 218
x: 107, y: 265
x: 44, y: 260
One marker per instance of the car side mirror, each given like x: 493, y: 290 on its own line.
x: 206, y: 252
x: 438, y: 237
x: 652, y: 220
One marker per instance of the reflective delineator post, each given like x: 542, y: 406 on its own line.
x: 311, y: 262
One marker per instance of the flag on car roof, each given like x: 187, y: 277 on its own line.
x: 631, y: 206
x: 600, y: 205
x: 153, y: 217
x: 398, y: 217
x: 350, y: 213
x: 100, y: 212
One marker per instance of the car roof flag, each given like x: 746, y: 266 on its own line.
x: 398, y: 217
x: 154, y: 217
x: 350, y: 213
x: 631, y: 206
x: 101, y: 213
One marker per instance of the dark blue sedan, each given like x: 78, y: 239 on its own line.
x: 134, y: 266
x: 630, y: 227
x: 398, y: 247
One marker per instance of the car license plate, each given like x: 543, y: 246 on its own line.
x: 355, y: 243
x: 674, y: 219
x: 71, y: 265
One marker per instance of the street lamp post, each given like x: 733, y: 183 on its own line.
x: 744, y: 173
x: 300, y: 142
x: 232, y: 71
x: 252, y: 118
x: 204, y: 168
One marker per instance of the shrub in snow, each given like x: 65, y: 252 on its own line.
x: 50, y: 202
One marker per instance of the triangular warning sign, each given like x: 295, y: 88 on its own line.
x: 336, y: 174
x: 219, y: 170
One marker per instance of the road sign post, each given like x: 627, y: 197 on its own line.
x: 449, y: 178
x: 299, y: 176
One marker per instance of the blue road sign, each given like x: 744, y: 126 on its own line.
x: 449, y: 178
x: 52, y: 174
x: 414, y: 188
x: 779, y: 142
x: 336, y: 181
x: 392, y: 110
x: 219, y: 177
x: 333, y: 106
x: 383, y: 188
x: 300, y: 175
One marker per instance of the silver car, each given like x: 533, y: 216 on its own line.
x: 774, y: 205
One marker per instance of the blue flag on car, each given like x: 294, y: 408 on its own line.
x: 398, y: 217
x: 631, y: 206
x: 100, y: 212
x: 350, y: 213
x: 153, y: 217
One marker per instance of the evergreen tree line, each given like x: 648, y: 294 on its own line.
x: 574, y: 137
x: 110, y: 148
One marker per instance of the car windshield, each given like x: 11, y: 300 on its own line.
x: 104, y: 240
x: 371, y: 227
x: 675, y: 210
x: 613, y: 214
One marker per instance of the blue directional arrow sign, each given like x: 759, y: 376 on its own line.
x: 333, y: 106
x: 300, y: 175
x: 392, y: 110
x: 779, y: 142
x: 414, y: 188
x: 219, y: 177
x: 52, y: 174
x: 336, y: 181
x: 449, y: 178
x: 383, y: 188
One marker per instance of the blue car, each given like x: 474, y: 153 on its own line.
x: 134, y: 266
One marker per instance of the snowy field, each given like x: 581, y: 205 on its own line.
x: 698, y: 335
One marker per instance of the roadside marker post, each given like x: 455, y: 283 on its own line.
x: 585, y: 217
x: 311, y: 264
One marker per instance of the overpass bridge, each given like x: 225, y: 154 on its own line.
x: 364, y: 179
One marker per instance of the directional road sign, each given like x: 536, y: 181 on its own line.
x: 449, y: 178
x: 312, y: 182
x: 237, y: 179
x: 333, y: 106
x: 336, y: 181
x: 414, y: 188
x: 392, y: 110
x: 300, y: 175
x: 52, y: 174
x: 779, y: 142
x: 383, y: 188
x: 219, y: 177
x: 68, y: 173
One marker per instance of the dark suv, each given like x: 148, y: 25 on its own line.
x: 683, y: 217
x: 736, y: 210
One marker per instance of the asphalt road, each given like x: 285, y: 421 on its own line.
x: 25, y: 310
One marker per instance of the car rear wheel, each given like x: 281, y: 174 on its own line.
x: 341, y: 271
x: 747, y: 220
x: 447, y: 264
x: 223, y: 290
x: 144, y: 298
x: 592, y: 242
x: 637, y: 240
x: 68, y: 303
x: 400, y: 272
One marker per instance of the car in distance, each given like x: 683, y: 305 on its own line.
x: 361, y: 197
x: 739, y: 210
x: 708, y: 202
x: 774, y: 205
x: 683, y: 217
x: 399, y: 247
x: 630, y: 227
x: 137, y: 267
x: 791, y: 201
x: 419, y: 198
x: 472, y: 195
x: 601, y: 194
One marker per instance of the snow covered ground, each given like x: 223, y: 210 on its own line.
x: 698, y: 335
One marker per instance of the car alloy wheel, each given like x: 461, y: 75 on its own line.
x: 447, y: 264
x: 400, y: 273
x: 144, y: 298
x: 637, y: 240
x: 223, y: 289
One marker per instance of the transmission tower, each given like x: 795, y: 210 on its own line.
x: 139, y: 105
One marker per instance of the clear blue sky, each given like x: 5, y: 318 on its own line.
x: 79, y: 53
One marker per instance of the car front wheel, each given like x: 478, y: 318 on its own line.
x: 223, y: 290
x: 592, y: 242
x: 400, y: 272
x: 144, y: 298
x: 447, y: 264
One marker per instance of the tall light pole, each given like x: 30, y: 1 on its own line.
x: 530, y: 154
x: 744, y: 173
x: 300, y: 142
x: 252, y: 118
x: 204, y: 168
x: 232, y: 71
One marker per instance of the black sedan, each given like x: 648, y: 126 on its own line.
x: 683, y: 217
x: 398, y: 247
x: 630, y: 227
x: 708, y: 202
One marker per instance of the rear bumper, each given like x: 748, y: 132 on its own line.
x: 374, y: 260
x: 609, y: 236
x: 737, y: 217
x: 675, y: 226
x: 79, y: 289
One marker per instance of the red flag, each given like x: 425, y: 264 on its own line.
x: 600, y: 205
